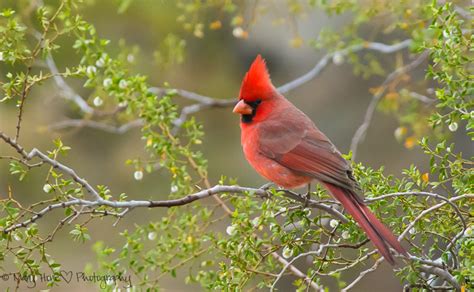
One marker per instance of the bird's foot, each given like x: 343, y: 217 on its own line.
x: 307, y: 197
x: 267, y: 186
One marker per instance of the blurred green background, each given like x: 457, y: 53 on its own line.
x: 214, y: 66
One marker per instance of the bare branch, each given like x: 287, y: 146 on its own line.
x: 324, y: 61
x: 128, y: 205
x: 315, y: 204
x: 294, y: 270
x: 203, y: 102
x: 443, y: 274
x: 67, y: 92
x: 24, y: 93
x: 79, y: 123
x: 362, y: 130
x: 202, y: 99
x: 422, y: 98
x: 191, y: 109
x: 363, y: 274
x: 46, y: 159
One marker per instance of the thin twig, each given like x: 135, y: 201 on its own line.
x: 362, y: 130
x: 24, y: 93
x: 324, y: 61
x: 362, y: 274
x: 431, y: 209
x: 79, y: 123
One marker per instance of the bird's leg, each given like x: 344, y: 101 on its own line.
x: 307, y: 196
x: 266, y: 186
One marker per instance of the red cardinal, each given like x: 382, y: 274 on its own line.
x: 285, y: 147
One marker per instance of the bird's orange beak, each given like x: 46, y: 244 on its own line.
x: 242, y: 108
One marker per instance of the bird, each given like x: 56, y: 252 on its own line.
x: 284, y: 146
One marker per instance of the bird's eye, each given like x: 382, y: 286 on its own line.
x: 255, y: 103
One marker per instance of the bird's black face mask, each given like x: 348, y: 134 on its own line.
x: 254, y: 105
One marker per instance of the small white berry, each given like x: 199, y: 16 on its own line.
x: 98, y: 101
x: 174, y: 188
x: 130, y: 58
x: 109, y: 281
x: 308, y: 212
x: 198, y: 33
x: 446, y: 34
x: 100, y: 63
x: 123, y: 84
x: 107, y: 82
x: 399, y: 133
x: 338, y: 58
x: 453, y: 126
x: 412, y: 230
x: 91, y: 70
x: 152, y: 235
x: 138, y: 175
x: 231, y: 230
x: 123, y: 104
x: 47, y: 188
x: 273, y: 226
x: 469, y: 231
x: 287, y: 252
x: 333, y: 223
x: 238, y: 32
x: 256, y: 221
x: 345, y: 235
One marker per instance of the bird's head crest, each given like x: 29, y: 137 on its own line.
x: 256, y: 83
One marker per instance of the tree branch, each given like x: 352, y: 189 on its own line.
x: 99, y: 201
x: 363, y: 274
x: 289, y: 265
x: 324, y: 61
x: 79, y: 123
x: 362, y: 130
x: 443, y: 274
x: 67, y: 92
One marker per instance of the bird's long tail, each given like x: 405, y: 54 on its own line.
x: 377, y: 232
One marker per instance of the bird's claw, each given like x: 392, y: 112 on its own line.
x: 307, y: 197
x: 267, y: 186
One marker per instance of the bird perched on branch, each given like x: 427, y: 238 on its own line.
x: 285, y: 147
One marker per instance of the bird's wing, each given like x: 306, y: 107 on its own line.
x: 303, y: 148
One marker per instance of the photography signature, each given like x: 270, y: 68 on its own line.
x: 67, y: 277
